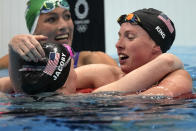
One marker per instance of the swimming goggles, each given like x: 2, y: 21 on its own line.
x: 50, y: 5
x: 131, y: 18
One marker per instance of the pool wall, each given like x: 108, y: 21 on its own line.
x: 180, y: 11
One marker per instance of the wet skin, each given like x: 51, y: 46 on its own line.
x: 135, y: 48
x: 57, y: 25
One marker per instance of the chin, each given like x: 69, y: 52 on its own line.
x: 126, y: 69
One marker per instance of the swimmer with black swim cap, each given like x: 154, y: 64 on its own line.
x: 44, y: 76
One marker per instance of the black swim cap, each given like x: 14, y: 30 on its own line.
x: 44, y: 76
x: 159, y: 27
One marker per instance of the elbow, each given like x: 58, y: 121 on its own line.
x: 172, y: 61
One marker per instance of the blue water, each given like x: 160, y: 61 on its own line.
x: 102, y: 111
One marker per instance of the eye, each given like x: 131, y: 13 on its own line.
x: 130, y: 36
x: 67, y: 16
x: 51, y: 19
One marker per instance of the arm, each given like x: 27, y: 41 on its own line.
x: 4, y: 61
x: 95, y: 57
x: 5, y: 85
x: 175, y: 84
x: 145, y: 76
x: 96, y: 75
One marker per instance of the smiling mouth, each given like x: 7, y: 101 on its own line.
x: 123, y: 57
x: 62, y: 37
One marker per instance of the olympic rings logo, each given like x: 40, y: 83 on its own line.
x: 77, y: 9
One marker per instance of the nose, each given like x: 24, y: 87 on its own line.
x: 119, y: 44
x: 63, y: 25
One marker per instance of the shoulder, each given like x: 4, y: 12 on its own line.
x: 96, y: 75
x: 6, y: 85
x: 175, y: 84
x: 178, y: 82
x: 179, y: 75
x: 95, y: 57
x: 4, y: 61
x: 99, y: 68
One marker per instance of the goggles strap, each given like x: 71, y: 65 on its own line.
x: 69, y: 49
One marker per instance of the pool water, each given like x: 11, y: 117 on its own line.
x: 96, y: 112
x: 101, y: 111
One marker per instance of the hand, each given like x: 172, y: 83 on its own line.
x: 28, y: 47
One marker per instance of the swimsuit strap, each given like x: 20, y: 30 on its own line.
x: 76, y: 57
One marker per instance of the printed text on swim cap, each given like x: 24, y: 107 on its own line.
x: 160, y: 31
x: 62, y: 64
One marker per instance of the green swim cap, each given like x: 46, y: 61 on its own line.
x: 36, y: 7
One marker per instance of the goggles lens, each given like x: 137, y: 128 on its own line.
x: 50, y: 5
x: 131, y: 18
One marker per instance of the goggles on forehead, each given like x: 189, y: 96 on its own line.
x: 131, y: 18
x: 50, y: 5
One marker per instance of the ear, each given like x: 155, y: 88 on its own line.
x: 156, y: 49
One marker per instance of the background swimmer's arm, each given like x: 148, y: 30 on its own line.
x: 5, y: 85
x: 173, y: 85
x: 145, y: 76
x: 4, y: 61
x: 95, y: 57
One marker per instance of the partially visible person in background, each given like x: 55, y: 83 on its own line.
x: 56, y: 27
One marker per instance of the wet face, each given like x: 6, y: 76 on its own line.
x: 57, y: 25
x: 135, y: 47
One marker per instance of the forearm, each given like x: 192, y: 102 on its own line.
x: 145, y: 76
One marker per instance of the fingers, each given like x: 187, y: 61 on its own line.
x: 28, y: 47
x: 40, y: 37
x: 29, y: 51
x: 37, y: 44
x: 36, y: 49
x: 23, y: 55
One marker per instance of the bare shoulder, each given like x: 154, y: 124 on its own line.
x: 181, y: 74
x: 181, y: 77
x: 100, y: 69
x: 95, y: 57
x: 96, y: 75
x: 175, y: 84
x: 6, y: 85
x: 4, y: 61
